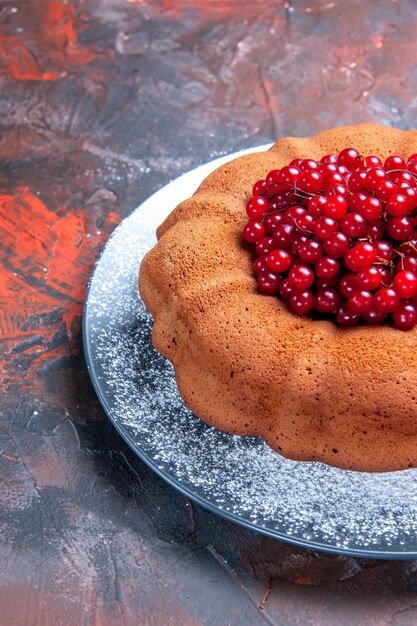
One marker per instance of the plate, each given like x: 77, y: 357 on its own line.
x: 241, y: 479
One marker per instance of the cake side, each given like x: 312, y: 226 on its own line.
x: 244, y: 363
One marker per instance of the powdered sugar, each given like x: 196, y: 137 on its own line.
x: 308, y: 503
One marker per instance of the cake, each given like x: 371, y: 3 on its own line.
x: 244, y: 362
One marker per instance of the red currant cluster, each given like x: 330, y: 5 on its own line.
x: 339, y: 237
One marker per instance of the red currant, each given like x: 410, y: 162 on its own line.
x: 348, y: 285
x: 308, y: 165
x: 384, y: 251
x: 356, y: 200
x: 327, y: 301
x: 400, y: 228
x: 310, y: 251
x: 259, y: 188
x: 361, y: 301
x: 350, y: 158
x: 296, y: 244
x: 394, y: 162
x: 289, y: 175
x: 405, y: 284
x: 310, y: 181
x: 257, y: 207
x: 272, y: 177
x: 336, y: 245
x: 331, y: 180
x: 338, y: 190
x: 346, y: 317
x: 283, y: 235
x: 370, y: 208
x: 405, y: 179
x: 329, y: 158
x: 324, y: 227
x: 272, y: 221
x: 374, y: 177
x: 371, y: 161
x: 269, y: 282
x: 360, y: 256
x: 374, y: 317
x: 286, y: 289
x: 412, y: 166
x: 369, y: 278
x: 354, y: 225
x: 327, y: 267
x: 357, y: 181
x: 385, y: 190
x: 279, y: 260
x: 397, y: 205
x: 327, y: 168
x: 316, y: 206
x: 405, y: 316
x: 385, y: 277
x: 253, y: 232
x: 300, y: 277
x: 375, y: 230
x: 260, y: 265
x: 409, y: 264
x: 411, y: 194
x: 336, y: 207
x: 264, y: 246
x: 386, y: 300
x: 301, y: 302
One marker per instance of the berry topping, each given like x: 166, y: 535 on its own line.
x: 337, y: 238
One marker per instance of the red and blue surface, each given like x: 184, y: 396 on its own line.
x: 101, y: 104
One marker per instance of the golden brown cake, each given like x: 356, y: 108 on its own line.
x: 245, y: 363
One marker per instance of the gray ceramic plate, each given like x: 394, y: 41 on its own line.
x: 308, y: 504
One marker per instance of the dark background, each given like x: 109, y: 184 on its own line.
x: 102, y: 102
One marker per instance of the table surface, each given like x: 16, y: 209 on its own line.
x: 103, y: 102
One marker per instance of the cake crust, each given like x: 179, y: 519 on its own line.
x: 247, y: 365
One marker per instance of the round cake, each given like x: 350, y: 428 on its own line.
x: 246, y: 364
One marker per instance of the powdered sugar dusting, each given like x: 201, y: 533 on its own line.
x: 309, y: 503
